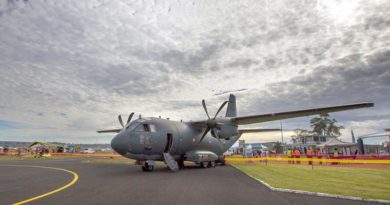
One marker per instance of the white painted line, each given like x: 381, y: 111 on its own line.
x: 313, y: 193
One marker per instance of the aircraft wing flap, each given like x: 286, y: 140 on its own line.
x: 109, y: 131
x: 298, y: 113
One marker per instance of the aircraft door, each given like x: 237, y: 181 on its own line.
x: 169, y: 143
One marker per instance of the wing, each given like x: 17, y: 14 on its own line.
x: 298, y: 113
x: 257, y: 130
x: 108, y: 131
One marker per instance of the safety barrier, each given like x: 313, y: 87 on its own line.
x: 356, y: 159
x: 306, y: 159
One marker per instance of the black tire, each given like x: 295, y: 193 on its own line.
x: 147, y: 168
x: 211, y: 164
x: 203, y: 164
x: 181, y: 164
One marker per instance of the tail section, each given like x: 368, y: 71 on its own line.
x: 231, y: 109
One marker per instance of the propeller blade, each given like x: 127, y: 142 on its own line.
x: 130, y: 116
x: 220, y: 108
x: 204, y: 134
x: 205, y: 109
x: 120, y: 120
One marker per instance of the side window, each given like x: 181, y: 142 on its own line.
x: 152, y: 128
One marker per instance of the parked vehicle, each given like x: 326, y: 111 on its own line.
x: 87, y: 151
x: 228, y: 153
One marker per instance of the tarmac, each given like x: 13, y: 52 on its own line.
x: 127, y: 184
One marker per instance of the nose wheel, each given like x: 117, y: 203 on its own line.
x: 148, y: 166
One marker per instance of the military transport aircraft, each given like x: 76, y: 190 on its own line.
x: 152, y: 139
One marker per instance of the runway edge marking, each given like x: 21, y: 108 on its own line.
x: 75, y: 178
x: 312, y: 193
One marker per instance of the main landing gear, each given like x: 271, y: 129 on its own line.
x: 207, y: 164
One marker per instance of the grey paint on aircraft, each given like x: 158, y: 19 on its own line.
x: 148, y: 139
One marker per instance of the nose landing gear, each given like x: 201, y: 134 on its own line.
x: 148, y: 166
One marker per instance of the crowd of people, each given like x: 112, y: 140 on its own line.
x: 295, y: 154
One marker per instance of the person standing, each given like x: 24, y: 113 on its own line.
x: 297, y: 155
x: 319, y: 156
x: 335, y: 155
x: 289, y: 155
x: 309, y: 156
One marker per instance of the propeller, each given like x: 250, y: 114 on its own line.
x: 128, y: 119
x: 211, y: 123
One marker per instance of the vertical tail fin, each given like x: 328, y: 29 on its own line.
x: 231, y: 109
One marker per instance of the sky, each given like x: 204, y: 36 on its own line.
x: 69, y: 67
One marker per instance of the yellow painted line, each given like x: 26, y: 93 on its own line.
x: 75, y: 178
x: 324, y: 160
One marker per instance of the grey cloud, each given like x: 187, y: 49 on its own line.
x: 330, y: 85
x: 83, y: 61
x: 243, y: 63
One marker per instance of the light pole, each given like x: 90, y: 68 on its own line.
x: 281, y: 132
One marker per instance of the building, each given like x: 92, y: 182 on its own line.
x: 309, y: 141
x: 327, y: 144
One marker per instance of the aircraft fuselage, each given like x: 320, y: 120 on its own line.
x: 148, y: 138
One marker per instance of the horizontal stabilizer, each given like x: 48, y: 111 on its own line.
x: 108, y: 131
x: 298, y: 113
x: 257, y: 130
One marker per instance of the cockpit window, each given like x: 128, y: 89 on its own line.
x: 132, y: 126
x: 145, y: 127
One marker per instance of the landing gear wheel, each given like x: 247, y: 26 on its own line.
x: 222, y: 162
x: 181, y: 164
x: 147, y: 168
x: 204, y: 164
x: 211, y: 164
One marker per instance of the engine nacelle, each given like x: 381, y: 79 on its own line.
x: 226, y: 131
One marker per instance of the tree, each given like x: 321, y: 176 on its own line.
x: 278, y: 147
x: 323, y: 125
x: 301, y: 132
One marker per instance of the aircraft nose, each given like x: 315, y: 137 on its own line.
x: 120, y: 144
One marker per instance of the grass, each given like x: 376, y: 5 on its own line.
x: 358, y: 182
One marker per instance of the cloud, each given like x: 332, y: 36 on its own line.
x: 74, y: 66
